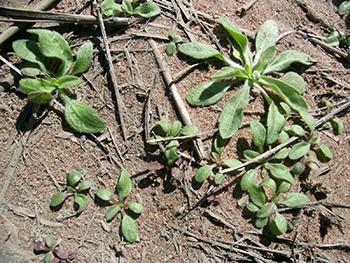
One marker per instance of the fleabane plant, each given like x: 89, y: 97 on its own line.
x: 254, y: 69
x: 52, y: 69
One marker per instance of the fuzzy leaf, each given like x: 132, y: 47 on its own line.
x: 136, y: 207
x: 344, y: 8
x: 219, y: 178
x: 280, y: 172
x: 207, y: 93
x: 49, y: 241
x: 275, y: 123
x: 295, y: 200
x: 231, y: 163
x: 299, y: 150
x: 111, y: 8
x: 58, y: 198
x: 68, y: 81
x: 266, y: 56
x: 266, y: 210
x: 281, y: 154
x: 295, y: 129
x: 81, y: 201
x: 82, y: 117
x: 248, y: 179
x: 267, y: 36
x: 285, y: 59
x: 268, y: 182
x: 338, y: 125
x: 127, y: 7
x: 189, y: 130
x: 231, y: 116
x: 112, y: 212
x: 170, y: 49
x: 284, y: 187
x: 278, y: 226
x: 261, y: 222
x: 241, y: 39
x: 257, y: 195
x: 147, y: 10
x: 84, y: 58
x: 129, y: 228
x: 29, y: 51
x: 250, y: 154
x: 324, y: 153
x: 104, y: 194
x: 53, y: 45
x: 295, y: 80
x: 203, y: 173
x: 259, y: 135
x: 219, y: 144
x: 73, y: 178
x: 198, y: 50
x: 165, y: 126
x: 124, y: 185
x: 84, y: 186
x: 252, y: 208
x: 175, y: 129
x: 308, y: 119
x: 229, y: 73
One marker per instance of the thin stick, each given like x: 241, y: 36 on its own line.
x: 180, y: 106
x: 8, y: 63
x: 185, y: 137
x: 118, y: 99
x: 243, y: 9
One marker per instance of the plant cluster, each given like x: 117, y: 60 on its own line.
x: 77, y: 188
x: 129, y: 7
x: 175, y: 39
x: 338, y: 39
x: 53, y: 253
x: 50, y: 70
x: 127, y: 210
x: 164, y: 129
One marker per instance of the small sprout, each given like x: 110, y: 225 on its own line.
x: 77, y: 188
x: 124, y: 185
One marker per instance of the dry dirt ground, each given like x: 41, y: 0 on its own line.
x: 38, y: 148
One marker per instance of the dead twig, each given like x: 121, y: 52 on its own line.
x: 243, y: 9
x: 118, y: 99
x: 180, y: 106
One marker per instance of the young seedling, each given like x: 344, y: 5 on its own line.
x: 175, y: 39
x: 128, y: 225
x: 53, y: 253
x: 338, y: 39
x: 254, y: 69
x: 129, y: 7
x: 49, y: 65
x: 77, y: 188
x: 165, y: 130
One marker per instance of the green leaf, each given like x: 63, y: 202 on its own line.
x: 231, y: 163
x: 283, y: 137
x: 281, y: 154
x: 257, y: 195
x: 252, y: 208
x: 84, y: 58
x: 170, y: 49
x: 295, y: 80
x: 298, y: 168
x: 248, y: 179
x: 29, y: 51
x: 284, y: 187
x: 266, y: 210
x: 268, y: 182
x: 308, y: 119
x: 31, y: 70
x: 285, y: 59
x: 266, y: 56
x: 165, y: 126
x: 73, y: 178
x: 207, y: 93
x: 344, y: 8
x: 68, y: 81
x: 259, y: 135
x: 333, y: 38
x: 84, y: 186
x: 175, y: 129
x: 280, y: 172
x: 129, y: 228
x: 58, y: 198
x: 295, y: 200
x: 171, y: 155
x: 40, y: 97
x: 295, y: 129
x: 136, y: 207
x: 124, y: 185
x: 49, y: 242
x: 219, y: 178
x: 203, y: 173
x: 82, y: 117
x: 250, y: 154
x: 261, y: 222
x: 229, y: 72
x: 198, y: 50
x: 299, y: 150
x: 219, y: 144
x: 48, y: 257
x: 175, y: 36
x: 231, y: 117
x: 104, y: 194
x: 267, y: 36
x: 287, y: 93
x: 338, y: 125
x: 147, y: 10
x: 112, y: 212
x: 241, y: 39
x: 38, y: 90
x: 278, y: 226
x: 81, y: 201
x: 111, y: 8
x: 127, y: 7
x: 53, y: 45
x: 189, y: 130
x: 324, y: 153
x: 286, y: 108
x: 275, y: 123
